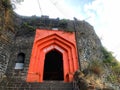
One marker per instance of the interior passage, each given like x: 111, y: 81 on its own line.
x: 53, y: 67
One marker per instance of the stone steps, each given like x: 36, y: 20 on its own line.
x: 47, y: 85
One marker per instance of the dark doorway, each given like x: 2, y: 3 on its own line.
x: 53, y: 67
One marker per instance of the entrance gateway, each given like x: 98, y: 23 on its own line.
x: 53, y: 57
x: 53, y: 66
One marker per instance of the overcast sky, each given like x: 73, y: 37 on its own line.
x: 104, y: 15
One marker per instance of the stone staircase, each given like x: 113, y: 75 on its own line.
x: 47, y: 85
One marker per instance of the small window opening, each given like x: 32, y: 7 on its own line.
x: 20, y: 61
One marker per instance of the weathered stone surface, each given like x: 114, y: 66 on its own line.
x: 89, y: 44
x: 89, y: 82
x: 18, y: 37
x: 6, y: 37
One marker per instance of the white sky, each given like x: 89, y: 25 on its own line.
x: 104, y: 16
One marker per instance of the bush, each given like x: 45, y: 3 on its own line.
x: 63, y: 23
x: 116, y: 69
x: 108, y: 57
x: 28, y: 26
x: 6, y: 4
x: 96, y: 67
x: 112, y: 78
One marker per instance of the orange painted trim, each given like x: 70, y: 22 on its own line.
x: 47, y: 40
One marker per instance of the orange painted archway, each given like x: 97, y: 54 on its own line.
x: 47, y: 40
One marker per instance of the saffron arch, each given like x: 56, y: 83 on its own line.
x: 47, y: 40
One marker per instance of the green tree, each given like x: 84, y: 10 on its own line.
x: 108, y: 57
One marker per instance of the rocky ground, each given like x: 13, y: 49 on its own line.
x: 91, y: 81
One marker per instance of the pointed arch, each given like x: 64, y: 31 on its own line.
x: 53, y: 65
x: 46, y: 41
x: 19, y: 65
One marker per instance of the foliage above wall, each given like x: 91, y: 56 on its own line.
x: 113, y: 65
